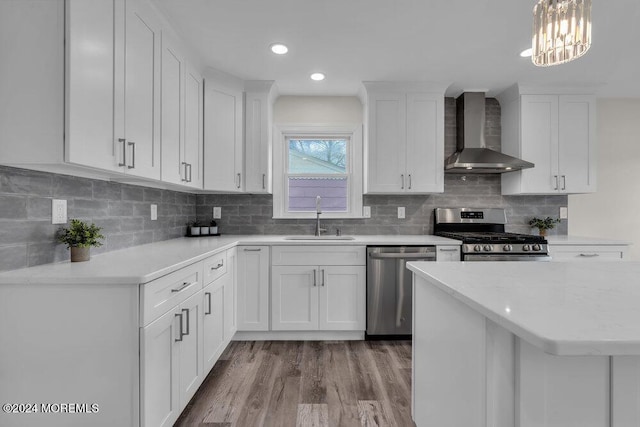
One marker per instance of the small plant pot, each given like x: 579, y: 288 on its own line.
x: 213, y: 230
x: 194, y: 231
x: 204, y: 231
x: 79, y: 254
x: 542, y: 232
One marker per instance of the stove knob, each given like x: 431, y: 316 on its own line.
x: 507, y: 248
x: 477, y: 248
x: 526, y: 248
x: 487, y: 248
x: 536, y: 247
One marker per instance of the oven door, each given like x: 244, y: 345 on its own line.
x: 504, y: 257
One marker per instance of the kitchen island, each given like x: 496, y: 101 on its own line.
x: 526, y: 344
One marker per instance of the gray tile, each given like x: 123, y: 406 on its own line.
x: 120, y: 208
x: 133, y: 193
x: 87, y: 208
x: 20, y: 181
x: 13, y: 207
x: 107, y: 190
x: 46, y: 252
x: 66, y: 187
x: 152, y: 195
x: 13, y: 257
x: 39, y: 208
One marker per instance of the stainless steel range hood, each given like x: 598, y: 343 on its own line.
x: 472, y: 155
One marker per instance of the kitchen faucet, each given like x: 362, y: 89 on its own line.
x: 319, y: 230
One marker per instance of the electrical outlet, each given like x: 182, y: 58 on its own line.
x: 154, y: 212
x: 401, y: 212
x: 217, y: 212
x: 564, y: 212
x: 58, y: 211
x: 366, y: 211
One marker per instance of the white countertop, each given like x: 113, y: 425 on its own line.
x: 141, y: 264
x: 564, y: 308
x: 582, y: 240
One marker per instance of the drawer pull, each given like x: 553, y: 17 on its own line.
x: 186, y: 310
x: 322, y: 271
x: 252, y: 250
x: 208, y: 294
x: 314, y: 277
x: 180, y: 316
x: 184, y: 285
x: 220, y: 264
x: 589, y: 255
x: 449, y: 250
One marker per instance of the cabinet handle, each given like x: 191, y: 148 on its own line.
x: 263, y: 179
x: 252, y: 250
x: 556, y: 178
x: 184, y: 285
x: 448, y: 250
x: 220, y: 264
x: 186, y: 310
x: 589, y: 255
x: 124, y: 151
x: 185, y: 172
x: 409, y: 181
x: 402, y: 178
x: 133, y: 155
x: 322, y: 271
x: 208, y: 294
x: 314, y: 277
x: 564, y: 182
x: 180, y: 316
x: 239, y: 180
x: 189, y: 164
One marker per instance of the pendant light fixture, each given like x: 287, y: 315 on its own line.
x: 561, y: 31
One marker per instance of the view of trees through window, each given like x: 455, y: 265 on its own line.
x: 331, y: 151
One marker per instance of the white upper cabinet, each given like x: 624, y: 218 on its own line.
x: 258, y: 105
x: 193, y: 128
x: 556, y: 133
x: 223, y: 141
x: 404, y: 149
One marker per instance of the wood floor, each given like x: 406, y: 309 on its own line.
x: 310, y: 383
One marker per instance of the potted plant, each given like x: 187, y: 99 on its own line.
x: 543, y: 225
x: 193, y: 228
x: 79, y: 238
x: 213, y: 227
x: 204, y: 229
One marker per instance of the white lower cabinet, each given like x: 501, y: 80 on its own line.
x: 317, y: 297
x: 588, y: 252
x: 191, y: 345
x: 253, y: 288
x: 213, y: 321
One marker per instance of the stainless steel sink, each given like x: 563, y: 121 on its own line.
x: 319, y: 238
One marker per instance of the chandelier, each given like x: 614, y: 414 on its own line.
x: 561, y: 31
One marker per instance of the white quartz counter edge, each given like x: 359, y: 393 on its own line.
x: 582, y: 240
x: 594, y: 314
x: 141, y: 264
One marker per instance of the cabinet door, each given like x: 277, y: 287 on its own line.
x: 159, y: 371
x: 577, y: 146
x: 193, y: 128
x: 230, y: 296
x: 253, y: 288
x: 142, y: 90
x: 90, y: 81
x: 223, y: 138
x: 294, y: 298
x: 386, y: 145
x: 191, y: 365
x: 425, y: 143
x: 214, y: 308
x: 173, y: 69
x: 342, y: 298
x: 257, y: 143
x: 539, y: 139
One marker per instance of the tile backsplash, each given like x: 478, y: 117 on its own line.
x: 27, y: 236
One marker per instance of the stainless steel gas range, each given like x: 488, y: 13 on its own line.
x: 483, y: 236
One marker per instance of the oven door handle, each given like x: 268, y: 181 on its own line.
x: 473, y: 257
x: 402, y: 265
x: 403, y: 255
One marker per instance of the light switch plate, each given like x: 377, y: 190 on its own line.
x: 58, y: 211
x: 154, y: 212
x: 366, y: 211
x: 401, y: 212
x: 217, y: 212
x: 564, y: 212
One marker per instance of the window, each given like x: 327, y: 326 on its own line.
x: 318, y: 161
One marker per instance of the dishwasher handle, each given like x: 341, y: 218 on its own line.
x: 403, y: 255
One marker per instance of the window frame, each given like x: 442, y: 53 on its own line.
x: 350, y: 132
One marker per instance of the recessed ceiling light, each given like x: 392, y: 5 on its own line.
x: 279, y: 49
x: 526, y: 53
x: 317, y: 76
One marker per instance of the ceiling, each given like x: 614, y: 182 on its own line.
x: 461, y: 44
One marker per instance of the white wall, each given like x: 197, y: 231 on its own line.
x: 614, y: 211
x: 317, y: 109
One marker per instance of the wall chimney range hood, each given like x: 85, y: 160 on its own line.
x: 472, y: 155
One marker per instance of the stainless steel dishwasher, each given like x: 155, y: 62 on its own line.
x: 389, y: 289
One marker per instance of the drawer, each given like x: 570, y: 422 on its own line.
x: 588, y: 252
x: 318, y: 255
x: 161, y: 295
x: 215, y: 267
